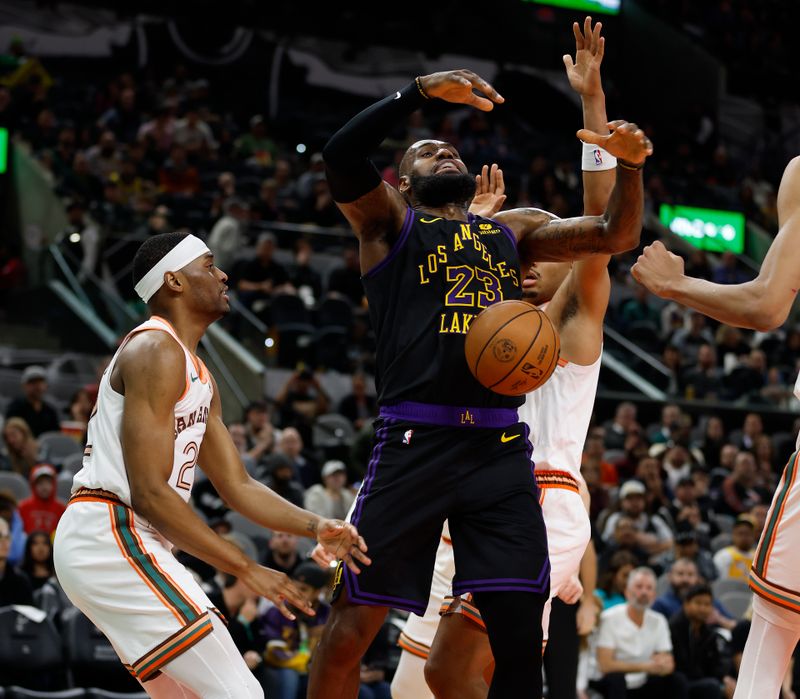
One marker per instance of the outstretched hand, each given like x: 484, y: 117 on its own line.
x: 458, y: 85
x: 584, y: 73
x: 658, y: 269
x: 341, y: 540
x: 626, y: 142
x: 489, y: 192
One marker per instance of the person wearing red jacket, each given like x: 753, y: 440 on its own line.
x: 42, y: 510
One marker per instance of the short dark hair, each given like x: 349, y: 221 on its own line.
x: 152, y: 250
x: 697, y: 590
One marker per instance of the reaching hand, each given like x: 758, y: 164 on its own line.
x: 342, y: 540
x: 571, y: 591
x: 584, y: 72
x: 489, y: 192
x: 587, y: 615
x: 457, y: 86
x: 321, y: 557
x: 626, y: 141
x: 658, y: 269
x: 278, y: 588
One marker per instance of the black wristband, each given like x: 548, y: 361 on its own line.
x: 629, y: 166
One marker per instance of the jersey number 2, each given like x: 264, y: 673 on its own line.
x: 191, y: 451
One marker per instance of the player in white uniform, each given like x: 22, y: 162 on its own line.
x: 453, y: 654
x: 762, y: 304
x: 157, y: 417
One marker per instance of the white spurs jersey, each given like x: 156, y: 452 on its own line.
x: 103, y: 463
x: 558, y: 413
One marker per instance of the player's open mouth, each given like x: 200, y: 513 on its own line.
x: 530, y: 281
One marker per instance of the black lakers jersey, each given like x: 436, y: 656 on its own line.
x: 422, y: 298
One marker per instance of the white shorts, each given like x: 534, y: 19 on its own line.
x: 568, y: 534
x: 775, y: 574
x: 121, y: 573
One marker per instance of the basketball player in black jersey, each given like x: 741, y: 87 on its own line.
x: 446, y: 447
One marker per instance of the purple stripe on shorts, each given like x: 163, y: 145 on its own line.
x: 380, y: 440
x: 505, y: 584
x: 399, y: 243
x: 450, y: 415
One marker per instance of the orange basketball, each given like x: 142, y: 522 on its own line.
x: 512, y: 347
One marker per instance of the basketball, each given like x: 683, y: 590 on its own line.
x: 512, y: 347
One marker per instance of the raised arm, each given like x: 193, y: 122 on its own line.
x: 152, y: 375
x: 545, y: 238
x: 373, y: 208
x: 762, y: 304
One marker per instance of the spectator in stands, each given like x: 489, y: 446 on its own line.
x: 10, y: 513
x: 301, y: 400
x: 727, y: 456
x: 677, y: 465
x: 613, y: 578
x: 22, y: 448
x: 748, y: 378
x: 82, y: 240
x: 256, y: 146
x: 698, y: 265
x: 687, y: 546
x: 670, y: 421
x: 39, y: 415
x: 617, y: 429
x: 261, y: 276
x: 739, y: 491
x: 157, y: 133
x: 698, y: 649
x: 42, y: 510
x: 78, y: 412
x: 652, y: 532
x: 37, y: 562
x: 239, y: 437
x: 634, y: 648
x: 282, y: 554
x: 593, y: 452
x: 358, y: 406
x: 747, y: 437
x: 225, y: 189
x: 728, y: 271
x: 766, y: 463
x: 177, y: 176
x: 730, y: 345
x: 291, y: 642
x: 286, y: 195
x: 229, y: 235
x: 104, y: 157
x: 734, y: 562
x: 682, y: 575
x: 639, y: 310
x: 124, y: 119
x: 346, y: 280
x: 266, y: 207
x: 259, y: 431
x: 302, y: 274
x: 15, y: 588
x: 194, y: 135
x: 624, y: 539
x: 331, y: 496
x: 305, y: 469
x: 672, y: 360
x: 281, y: 478
x: 306, y: 181
x: 689, y: 340
x: 712, y: 441
x: 704, y: 380
x: 598, y: 492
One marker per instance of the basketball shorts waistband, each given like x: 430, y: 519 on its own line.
x: 95, y: 495
x: 450, y: 415
x: 556, y: 479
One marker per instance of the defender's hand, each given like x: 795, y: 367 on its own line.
x: 571, y: 591
x: 584, y: 73
x: 457, y: 86
x: 321, y: 557
x: 341, y: 539
x: 489, y: 192
x: 626, y: 141
x: 658, y: 269
x: 278, y: 588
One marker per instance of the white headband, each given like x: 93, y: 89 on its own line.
x: 190, y: 248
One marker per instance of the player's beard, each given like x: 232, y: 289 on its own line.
x: 436, y: 191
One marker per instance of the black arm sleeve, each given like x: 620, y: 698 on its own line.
x: 351, y: 174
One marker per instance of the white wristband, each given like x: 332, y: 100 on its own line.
x: 595, y: 159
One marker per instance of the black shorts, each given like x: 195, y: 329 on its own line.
x: 481, y: 480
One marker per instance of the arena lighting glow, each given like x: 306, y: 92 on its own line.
x: 607, y: 7
x: 301, y: 148
x: 708, y: 229
x: 3, y: 150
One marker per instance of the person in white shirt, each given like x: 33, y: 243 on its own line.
x: 634, y: 647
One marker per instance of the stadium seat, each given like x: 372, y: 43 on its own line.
x: 722, y: 586
x: 720, y: 541
x: 16, y: 483
x: 662, y: 584
x: 736, y: 602
x: 296, y: 330
x: 22, y: 693
x: 64, y: 486
x: 91, y: 658
x: 56, y: 446
x: 31, y: 653
x: 72, y: 463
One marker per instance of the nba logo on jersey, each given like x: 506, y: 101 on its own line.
x: 407, y: 436
x: 598, y: 156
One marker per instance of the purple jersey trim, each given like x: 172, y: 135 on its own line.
x: 462, y: 587
x: 399, y: 243
x: 450, y: 415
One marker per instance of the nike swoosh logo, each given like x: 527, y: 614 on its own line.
x: 194, y: 378
x: 505, y: 439
x: 430, y: 220
x: 397, y: 95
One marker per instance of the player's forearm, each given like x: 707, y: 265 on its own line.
x: 588, y: 571
x: 623, y: 227
x: 597, y: 184
x: 265, y: 507
x: 179, y: 524
x: 742, y: 305
x: 609, y: 665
